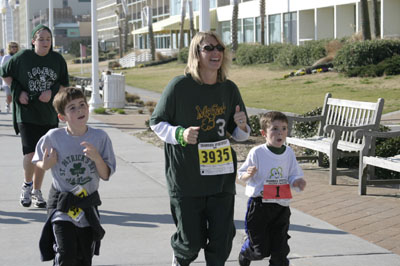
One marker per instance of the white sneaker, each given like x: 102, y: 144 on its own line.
x: 174, y: 261
x: 26, y: 195
x: 7, y: 108
x: 37, y: 199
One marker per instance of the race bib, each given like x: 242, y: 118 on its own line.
x: 77, y: 213
x: 277, y: 191
x: 215, y: 158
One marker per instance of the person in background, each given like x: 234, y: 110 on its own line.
x: 197, y: 114
x: 34, y: 76
x: 270, y: 170
x: 12, y: 49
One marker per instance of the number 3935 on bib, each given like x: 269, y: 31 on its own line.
x: 215, y: 158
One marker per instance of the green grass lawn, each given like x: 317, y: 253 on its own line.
x: 263, y: 86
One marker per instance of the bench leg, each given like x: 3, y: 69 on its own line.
x: 333, y: 170
x: 362, y: 178
x: 320, y: 159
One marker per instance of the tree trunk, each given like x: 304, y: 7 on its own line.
x: 234, y: 25
x: 365, y: 26
x: 182, y: 32
x: 262, y: 18
x: 192, y: 33
x: 377, y: 20
x: 151, y: 33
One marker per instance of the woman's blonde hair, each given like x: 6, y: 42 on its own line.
x: 12, y: 44
x: 193, y: 64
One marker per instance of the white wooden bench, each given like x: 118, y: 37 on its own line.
x: 337, y: 123
x: 390, y: 163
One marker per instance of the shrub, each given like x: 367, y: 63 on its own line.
x: 257, y: 54
x: 366, y: 71
x: 389, y: 66
x: 131, y: 98
x: 254, y: 121
x: 307, y: 129
x: 392, y: 65
x: 113, y: 64
x: 305, y: 55
x: 183, y: 55
x: 100, y: 111
x: 356, y: 54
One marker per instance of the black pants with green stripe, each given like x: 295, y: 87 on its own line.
x: 203, y: 222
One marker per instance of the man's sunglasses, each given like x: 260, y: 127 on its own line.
x: 210, y: 47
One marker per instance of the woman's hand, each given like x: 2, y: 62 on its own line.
x: 240, y: 119
x: 23, y: 97
x: 191, y: 134
x: 45, y: 96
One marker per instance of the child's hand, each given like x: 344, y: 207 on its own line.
x: 49, y: 159
x: 299, y: 183
x: 251, y: 171
x: 91, y: 152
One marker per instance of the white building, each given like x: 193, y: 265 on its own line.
x: 289, y: 21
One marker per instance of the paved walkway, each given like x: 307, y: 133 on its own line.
x: 136, y: 215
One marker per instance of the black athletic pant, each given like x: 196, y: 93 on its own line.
x: 203, y: 222
x: 74, y: 245
x: 267, y: 226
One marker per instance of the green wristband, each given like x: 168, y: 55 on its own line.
x: 179, y: 136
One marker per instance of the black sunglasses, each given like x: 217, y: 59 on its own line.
x: 210, y: 47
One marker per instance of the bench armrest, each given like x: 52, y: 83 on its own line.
x: 339, y: 129
x: 359, y: 133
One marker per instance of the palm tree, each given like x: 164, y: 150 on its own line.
x: 182, y: 33
x: 191, y: 19
x: 377, y: 24
x: 148, y: 12
x: 234, y: 25
x: 262, y: 17
x: 365, y: 26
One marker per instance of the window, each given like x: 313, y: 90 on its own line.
x: 274, y: 22
x: 226, y: 32
x: 258, y: 30
x: 239, y: 31
x: 290, y: 27
x: 248, y: 27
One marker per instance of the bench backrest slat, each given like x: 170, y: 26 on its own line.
x: 350, y: 113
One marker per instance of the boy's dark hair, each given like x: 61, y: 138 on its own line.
x: 267, y: 118
x: 64, y: 96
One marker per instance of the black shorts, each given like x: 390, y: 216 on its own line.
x: 30, y: 135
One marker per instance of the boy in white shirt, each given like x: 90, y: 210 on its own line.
x: 270, y: 170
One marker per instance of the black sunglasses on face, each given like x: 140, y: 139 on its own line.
x: 210, y: 47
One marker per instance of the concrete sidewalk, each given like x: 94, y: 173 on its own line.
x: 136, y: 216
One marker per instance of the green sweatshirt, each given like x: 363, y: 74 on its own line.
x: 34, y: 74
x: 186, y: 103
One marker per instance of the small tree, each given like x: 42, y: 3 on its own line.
x: 377, y: 24
x: 262, y: 19
x: 182, y: 32
x: 192, y: 33
x: 234, y: 25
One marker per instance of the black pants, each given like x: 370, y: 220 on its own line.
x: 74, y: 245
x: 267, y: 226
x: 203, y: 222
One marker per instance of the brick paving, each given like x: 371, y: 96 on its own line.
x: 374, y: 217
